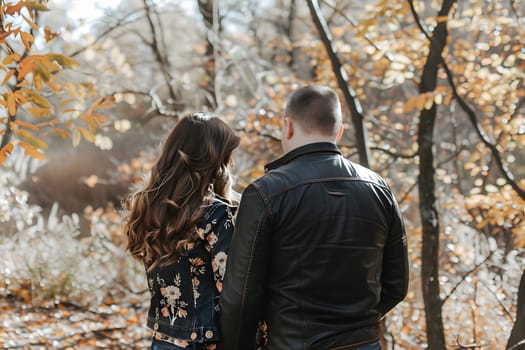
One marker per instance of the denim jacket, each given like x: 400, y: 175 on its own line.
x: 184, y: 295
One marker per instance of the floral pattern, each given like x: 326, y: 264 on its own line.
x: 193, y: 283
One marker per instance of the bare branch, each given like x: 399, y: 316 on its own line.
x: 161, y: 58
x: 125, y: 20
x: 258, y: 133
x: 353, y: 23
x: 356, y: 111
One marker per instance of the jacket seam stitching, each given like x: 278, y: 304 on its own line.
x: 250, y: 264
x: 266, y: 199
x: 326, y: 179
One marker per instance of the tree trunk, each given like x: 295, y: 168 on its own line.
x: 349, y: 94
x: 517, y: 335
x: 427, y: 199
x: 208, y: 11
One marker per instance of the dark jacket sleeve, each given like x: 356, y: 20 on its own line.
x: 242, y: 298
x: 394, y: 279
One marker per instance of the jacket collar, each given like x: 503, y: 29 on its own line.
x: 318, y: 147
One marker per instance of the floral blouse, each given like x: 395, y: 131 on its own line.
x: 184, y: 295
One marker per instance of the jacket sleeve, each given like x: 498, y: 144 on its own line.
x: 394, y: 279
x: 243, y: 296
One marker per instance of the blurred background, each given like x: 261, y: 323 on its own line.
x: 433, y: 100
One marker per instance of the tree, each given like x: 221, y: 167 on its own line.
x: 31, y: 78
x: 427, y: 198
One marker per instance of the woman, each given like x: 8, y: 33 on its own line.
x: 180, y: 227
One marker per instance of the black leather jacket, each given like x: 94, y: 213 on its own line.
x: 319, y: 251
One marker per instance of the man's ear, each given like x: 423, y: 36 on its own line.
x: 340, y: 133
x: 289, y: 128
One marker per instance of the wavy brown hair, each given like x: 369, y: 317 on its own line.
x: 161, y: 217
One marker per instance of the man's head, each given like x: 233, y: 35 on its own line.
x: 312, y: 114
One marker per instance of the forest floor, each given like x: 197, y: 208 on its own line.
x: 114, y: 324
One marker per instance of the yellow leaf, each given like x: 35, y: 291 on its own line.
x: 100, y: 118
x: 85, y: 133
x: 76, y: 137
x: 5, y: 151
x: 104, y: 102
x: 62, y: 60
x: 24, y: 124
x: 39, y: 112
x: 442, y: 19
x: 49, y: 34
x: 8, y: 76
x: 42, y: 71
x: 11, y: 103
x: 27, y: 39
x: 38, y: 82
x: 14, y: 57
x: 54, y: 86
x: 36, y: 98
x: 89, y: 121
x: 63, y: 133
x: 51, y: 122
x: 32, y: 151
x: 31, y: 139
x: 65, y: 102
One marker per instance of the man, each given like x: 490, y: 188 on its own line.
x: 319, y: 250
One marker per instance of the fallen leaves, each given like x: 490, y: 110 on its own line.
x: 68, y: 326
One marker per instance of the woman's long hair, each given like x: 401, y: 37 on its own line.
x: 162, y: 216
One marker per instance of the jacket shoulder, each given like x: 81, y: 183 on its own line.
x: 368, y: 175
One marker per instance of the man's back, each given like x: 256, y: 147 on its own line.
x: 328, y: 222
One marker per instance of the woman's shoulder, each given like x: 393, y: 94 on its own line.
x: 219, y: 207
x: 219, y: 215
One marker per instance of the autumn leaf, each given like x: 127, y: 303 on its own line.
x: 37, y: 98
x: 32, y: 151
x: 24, y: 124
x: 11, y: 103
x: 27, y: 39
x: 14, y: 57
x: 85, y: 133
x: 49, y: 34
x: 62, y: 60
x: 64, y: 134
x: 39, y: 112
x: 51, y: 122
x: 5, y: 151
x: 31, y: 139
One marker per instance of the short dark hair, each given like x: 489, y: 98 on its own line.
x: 316, y: 108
